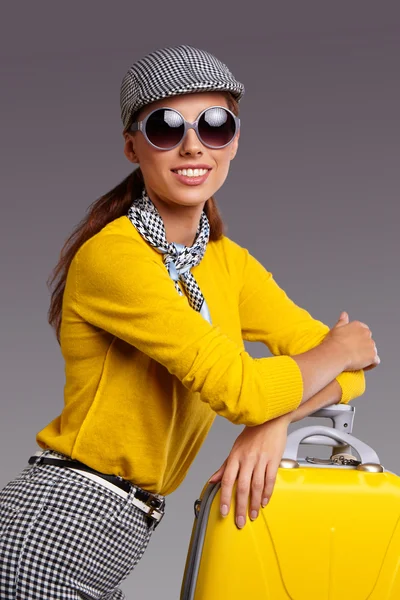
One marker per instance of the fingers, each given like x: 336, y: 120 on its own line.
x: 372, y: 356
x: 244, y: 482
x: 227, y: 482
x: 256, y: 483
x: 343, y: 319
x: 376, y: 360
x: 258, y: 489
x: 270, y: 479
x: 242, y: 496
x: 374, y: 364
x: 262, y: 486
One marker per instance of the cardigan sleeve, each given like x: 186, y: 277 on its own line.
x: 132, y: 297
x: 269, y: 316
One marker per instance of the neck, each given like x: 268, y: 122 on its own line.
x: 180, y: 222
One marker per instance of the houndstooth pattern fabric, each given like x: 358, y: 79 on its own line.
x: 65, y: 537
x: 144, y: 215
x: 173, y: 71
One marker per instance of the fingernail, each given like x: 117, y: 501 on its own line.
x: 264, y: 502
x: 240, y: 521
x: 224, y: 510
x: 253, y: 514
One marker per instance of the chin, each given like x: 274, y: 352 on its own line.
x: 189, y: 197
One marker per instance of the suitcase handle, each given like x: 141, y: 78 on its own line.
x: 342, y: 416
x: 294, y: 439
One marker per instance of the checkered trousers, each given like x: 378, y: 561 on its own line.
x: 66, y: 537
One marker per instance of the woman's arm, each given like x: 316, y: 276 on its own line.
x: 269, y: 316
x: 116, y: 284
x: 329, y: 395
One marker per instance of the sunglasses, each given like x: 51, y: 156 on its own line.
x: 164, y: 128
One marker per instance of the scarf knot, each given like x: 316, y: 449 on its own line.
x: 178, y: 259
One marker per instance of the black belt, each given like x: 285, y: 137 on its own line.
x: 125, y: 485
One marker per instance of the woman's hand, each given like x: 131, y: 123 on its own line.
x: 355, y: 340
x: 254, y: 461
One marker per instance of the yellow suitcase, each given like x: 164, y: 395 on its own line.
x: 331, y: 530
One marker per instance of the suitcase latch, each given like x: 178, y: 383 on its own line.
x: 336, y: 459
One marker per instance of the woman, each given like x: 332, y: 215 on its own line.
x: 152, y: 304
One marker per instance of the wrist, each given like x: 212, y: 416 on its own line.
x: 286, y: 418
x: 336, y: 351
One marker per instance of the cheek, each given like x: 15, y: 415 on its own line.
x: 153, y: 163
x: 223, y: 164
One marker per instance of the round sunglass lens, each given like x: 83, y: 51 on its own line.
x: 165, y: 128
x: 217, y: 127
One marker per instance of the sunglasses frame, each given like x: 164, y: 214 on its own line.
x: 141, y: 126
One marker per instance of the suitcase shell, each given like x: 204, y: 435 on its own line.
x: 329, y: 532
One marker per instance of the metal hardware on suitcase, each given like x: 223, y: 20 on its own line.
x: 331, y: 530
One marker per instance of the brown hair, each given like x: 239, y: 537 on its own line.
x: 112, y: 205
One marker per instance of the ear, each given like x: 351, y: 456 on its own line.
x: 130, y: 147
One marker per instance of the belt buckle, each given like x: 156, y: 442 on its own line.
x: 154, y: 504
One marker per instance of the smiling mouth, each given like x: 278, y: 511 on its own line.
x: 191, y: 172
x: 197, y: 177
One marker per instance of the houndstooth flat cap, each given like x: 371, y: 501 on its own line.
x: 170, y: 72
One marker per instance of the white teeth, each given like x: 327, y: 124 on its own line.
x: 192, y: 172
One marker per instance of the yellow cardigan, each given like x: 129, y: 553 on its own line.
x: 146, y: 374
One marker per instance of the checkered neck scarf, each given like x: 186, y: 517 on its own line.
x: 144, y: 215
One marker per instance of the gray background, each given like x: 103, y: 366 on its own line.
x: 313, y: 192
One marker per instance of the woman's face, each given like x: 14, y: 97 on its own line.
x: 158, y: 166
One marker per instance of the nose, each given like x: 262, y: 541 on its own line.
x: 191, y: 144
